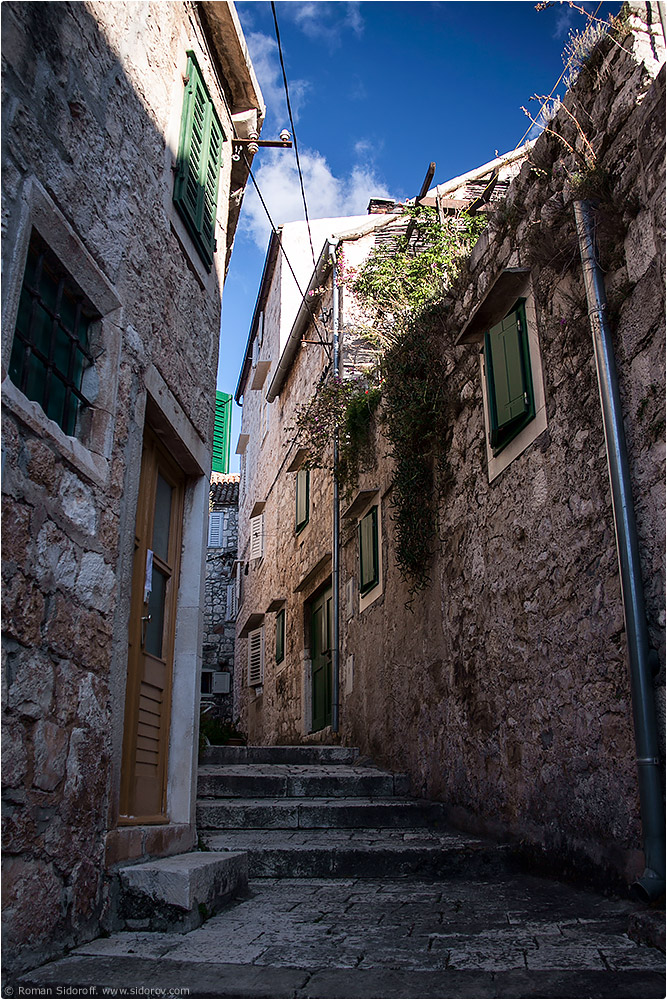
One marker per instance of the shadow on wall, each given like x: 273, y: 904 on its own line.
x: 74, y: 123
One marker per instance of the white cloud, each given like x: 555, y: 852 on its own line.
x: 327, y: 196
x: 322, y: 21
x: 266, y: 62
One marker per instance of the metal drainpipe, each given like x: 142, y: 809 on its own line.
x: 335, y: 569
x: 651, y: 885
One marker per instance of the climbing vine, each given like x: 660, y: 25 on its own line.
x: 401, y: 288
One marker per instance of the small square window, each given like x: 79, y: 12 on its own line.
x: 51, y: 347
x: 369, y: 562
x: 302, y: 499
x: 511, y: 400
x: 280, y: 636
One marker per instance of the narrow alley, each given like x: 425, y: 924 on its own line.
x: 357, y: 890
x: 333, y: 623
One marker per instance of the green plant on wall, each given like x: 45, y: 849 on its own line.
x: 400, y: 289
x: 346, y: 405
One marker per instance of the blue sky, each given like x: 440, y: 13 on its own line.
x: 378, y: 91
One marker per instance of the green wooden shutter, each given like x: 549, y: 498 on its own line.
x: 221, y: 432
x: 198, y: 164
x: 302, y: 498
x: 368, y: 551
x: 508, y: 377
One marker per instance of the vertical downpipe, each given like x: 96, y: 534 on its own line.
x: 651, y: 885
x: 335, y: 569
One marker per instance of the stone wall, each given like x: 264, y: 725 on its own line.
x: 92, y: 99
x: 503, y: 689
x: 220, y: 606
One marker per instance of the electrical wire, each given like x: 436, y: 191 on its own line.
x: 289, y: 112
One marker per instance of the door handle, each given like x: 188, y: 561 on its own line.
x: 144, y: 620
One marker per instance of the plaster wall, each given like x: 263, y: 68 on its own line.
x: 92, y: 98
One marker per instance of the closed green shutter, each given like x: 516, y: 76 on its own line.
x: 369, y: 575
x: 198, y: 164
x: 302, y: 498
x: 509, y: 383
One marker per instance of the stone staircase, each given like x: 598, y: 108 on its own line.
x: 321, y: 811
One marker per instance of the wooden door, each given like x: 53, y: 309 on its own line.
x: 157, y: 548
x: 321, y: 637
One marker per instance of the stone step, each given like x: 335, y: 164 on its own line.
x: 280, y: 755
x: 313, y: 813
x: 299, y: 781
x: 367, y: 853
x: 178, y: 893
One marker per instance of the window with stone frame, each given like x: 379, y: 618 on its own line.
x: 509, y: 383
x: 51, y: 350
x: 369, y: 561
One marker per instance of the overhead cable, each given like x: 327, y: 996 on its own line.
x: 322, y: 341
x: 291, y: 119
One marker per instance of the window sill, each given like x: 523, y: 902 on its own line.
x: 93, y: 467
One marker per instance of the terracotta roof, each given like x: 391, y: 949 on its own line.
x: 224, y: 489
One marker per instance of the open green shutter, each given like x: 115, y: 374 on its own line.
x: 210, y: 186
x: 221, y: 432
x: 199, y: 161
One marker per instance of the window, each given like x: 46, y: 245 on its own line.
x: 198, y: 163
x: 369, y: 562
x: 256, y: 657
x: 280, y: 636
x: 51, y: 348
x: 302, y: 499
x: 511, y: 401
x: 257, y: 536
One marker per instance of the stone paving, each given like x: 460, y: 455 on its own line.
x: 506, y: 936
x: 341, y: 905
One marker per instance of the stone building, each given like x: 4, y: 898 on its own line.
x: 502, y: 686
x: 220, y: 596
x: 120, y: 202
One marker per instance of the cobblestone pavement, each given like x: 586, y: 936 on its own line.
x: 508, y: 936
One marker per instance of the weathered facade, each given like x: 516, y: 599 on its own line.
x: 120, y: 202
x: 220, y: 596
x: 502, y: 688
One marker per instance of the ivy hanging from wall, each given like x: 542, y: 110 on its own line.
x: 401, y: 287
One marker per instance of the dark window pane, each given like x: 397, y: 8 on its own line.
x: 50, y: 348
x: 162, y: 518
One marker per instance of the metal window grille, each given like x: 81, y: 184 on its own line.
x: 51, y: 350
